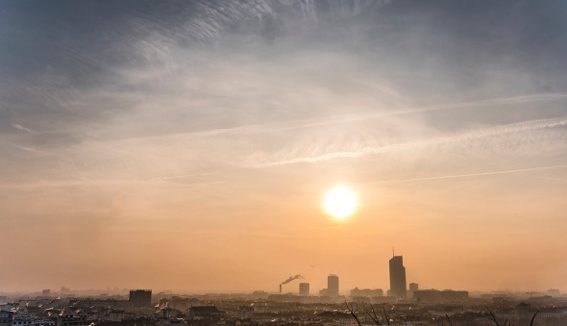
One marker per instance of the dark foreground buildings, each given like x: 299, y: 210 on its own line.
x: 140, y: 298
x: 205, y: 315
x: 437, y: 296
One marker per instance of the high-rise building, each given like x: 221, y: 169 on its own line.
x: 141, y: 298
x: 397, y: 277
x: 303, y: 288
x: 332, y: 285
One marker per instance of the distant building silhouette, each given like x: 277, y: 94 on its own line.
x: 141, y: 298
x: 397, y: 277
x: 333, y: 285
x: 436, y: 296
x: 332, y: 289
x: 356, y: 292
x: 413, y: 287
x: 303, y: 288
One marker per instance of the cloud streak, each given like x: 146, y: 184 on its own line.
x: 291, y: 125
x: 135, y: 123
x: 481, y: 174
x: 464, y: 137
x: 21, y: 128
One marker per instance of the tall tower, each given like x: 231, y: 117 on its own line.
x: 333, y: 285
x: 397, y: 277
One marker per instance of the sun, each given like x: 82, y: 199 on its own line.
x: 340, y: 202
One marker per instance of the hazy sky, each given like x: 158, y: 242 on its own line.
x: 187, y: 145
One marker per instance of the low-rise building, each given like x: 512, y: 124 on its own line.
x: 437, y: 296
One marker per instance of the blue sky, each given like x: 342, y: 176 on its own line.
x: 142, y: 124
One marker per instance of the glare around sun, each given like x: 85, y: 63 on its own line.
x: 340, y: 202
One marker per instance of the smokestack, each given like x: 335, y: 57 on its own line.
x: 289, y: 279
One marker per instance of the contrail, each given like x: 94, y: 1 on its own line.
x: 497, y: 172
x: 106, y: 182
x: 524, y: 126
x: 336, y: 120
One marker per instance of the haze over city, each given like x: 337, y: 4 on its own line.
x: 222, y: 146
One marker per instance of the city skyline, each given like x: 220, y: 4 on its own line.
x: 295, y: 284
x: 223, y: 146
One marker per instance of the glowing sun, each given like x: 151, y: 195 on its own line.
x: 340, y: 202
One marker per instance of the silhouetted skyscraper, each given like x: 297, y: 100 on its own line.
x: 397, y: 277
x: 333, y: 285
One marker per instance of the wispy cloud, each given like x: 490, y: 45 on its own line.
x: 31, y: 150
x: 290, y: 125
x: 20, y: 127
x: 525, y: 126
x: 480, y: 174
x: 154, y: 182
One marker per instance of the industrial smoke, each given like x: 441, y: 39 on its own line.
x: 289, y: 279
